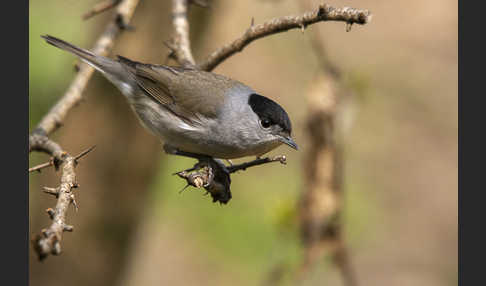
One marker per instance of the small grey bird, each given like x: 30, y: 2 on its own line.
x: 194, y: 112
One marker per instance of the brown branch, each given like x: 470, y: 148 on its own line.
x: 214, y: 176
x: 321, y: 200
x: 260, y: 161
x: 343, y: 261
x: 181, y: 44
x: 320, y: 206
x: 41, y: 166
x: 100, y: 8
x: 323, y: 13
x: 84, y: 153
x: 54, y: 118
x: 49, y: 241
x: 51, y: 162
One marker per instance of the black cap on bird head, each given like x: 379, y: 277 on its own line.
x: 271, y: 114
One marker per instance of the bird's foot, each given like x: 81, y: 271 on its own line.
x: 208, y: 172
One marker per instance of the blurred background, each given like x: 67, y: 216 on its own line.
x: 133, y: 226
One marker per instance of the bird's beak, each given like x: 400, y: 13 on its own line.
x: 289, y: 141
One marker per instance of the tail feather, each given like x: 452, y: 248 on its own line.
x: 98, y: 62
x: 85, y: 54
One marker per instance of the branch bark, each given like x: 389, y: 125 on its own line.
x: 49, y: 241
x: 181, y: 44
x: 323, y: 13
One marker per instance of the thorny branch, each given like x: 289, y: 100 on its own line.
x: 323, y: 13
x: 49, y: 241
x: 214, y: 175
x: 53, y: 160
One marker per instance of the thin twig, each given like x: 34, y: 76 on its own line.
x: 54, y: 118
x: 260, y: 161
x: 84, y: 153
x: 100, y: 8
x: 282, y: 24
x: 41, y: 166
x: 320, y: 205
x: 51, y: 162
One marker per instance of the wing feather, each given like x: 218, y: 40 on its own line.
x: 187, y: 92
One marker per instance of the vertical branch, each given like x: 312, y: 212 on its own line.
x: 320, y: 207
x: 181, y: 44
x: 321, y: 201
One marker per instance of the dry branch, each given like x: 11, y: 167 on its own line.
x: 320, y: 205
x: 50, y: 239
x: 181, y: 44
x: 321, y: 200
x: 49, y: 242
x: 260, y: 161
x: 214, y: 175
x: 323, y: 13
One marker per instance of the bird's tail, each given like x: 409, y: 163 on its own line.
x: 98, y: 62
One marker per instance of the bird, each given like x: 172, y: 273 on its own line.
x: 194, y: 113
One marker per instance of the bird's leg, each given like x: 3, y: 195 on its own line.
x: 210, y: 173
x: 204, y: 160
x: 174, y: 151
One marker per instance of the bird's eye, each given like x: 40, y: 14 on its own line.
x: 265, y: 123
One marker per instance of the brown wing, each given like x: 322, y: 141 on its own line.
x: 187, y: 92
x: 201, y: 92
x: 153, y: 84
